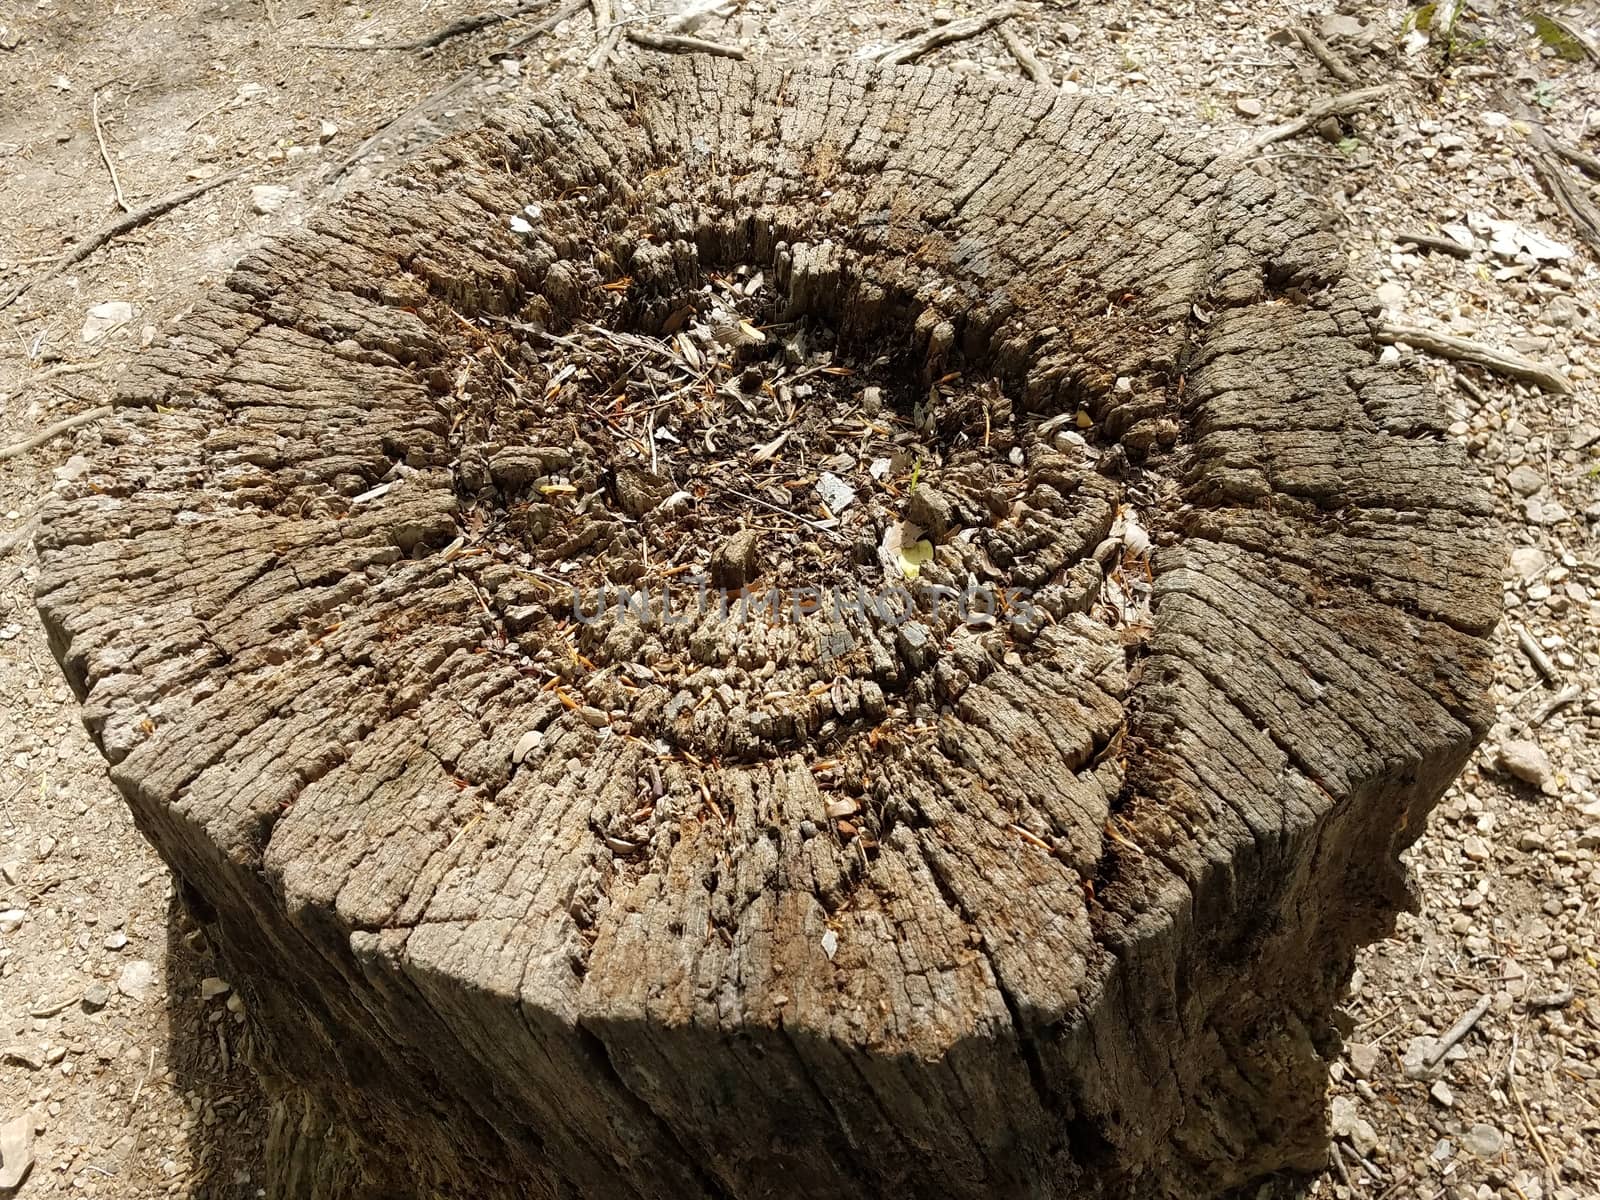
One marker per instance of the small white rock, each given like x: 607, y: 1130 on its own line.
x: 138, y: 980
x: 1525, y: 760
x: 104, y: 318
x: 269, y: 197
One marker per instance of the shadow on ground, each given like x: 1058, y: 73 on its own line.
x: 226, y: 1124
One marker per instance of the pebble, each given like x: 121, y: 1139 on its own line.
x: 96, y: 997
x: 138, y: 980
x: 1525, y: 760
x: 105, y: 317
x: 1442, y: 1094
x: 115, y: 940
x: 16, y: 1151
x: 1525, y: 481
x: 211, y: 987
x: 269, y: 197
x: 1364, y: 1058
x: 1247, y: 106
x: 1528, y: 562
x: 1484, y: 1140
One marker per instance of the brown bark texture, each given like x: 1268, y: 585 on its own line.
x: 844, y: 907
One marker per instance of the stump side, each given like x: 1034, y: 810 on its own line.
x: 1115, y: 884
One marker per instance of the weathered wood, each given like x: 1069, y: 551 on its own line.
x: 527, y: 907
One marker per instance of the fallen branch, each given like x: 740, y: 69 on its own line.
x: 1432, y: 241
x: 1570, y: 694
x: 942, y: 35
x: 698, y: 13
x: 54, y: 431
x: 18, y: 536
x: 472, y: 24
x: 673, y: 43
x: 1535, y: 654
x: 1457, y: 1031
x: 444, y: 33
x: 606, y: 33
x: 1502, y: 362
x: 1585, y: 162
x: 400, y: 123
x: 1334, y: 106
x: 1335, y: 65
x: 1026, y: 58
x: 545, y: 26
x: 122, y: 225
x: 39, y: 377
x: 105, y: 155
x: 1569, y: 197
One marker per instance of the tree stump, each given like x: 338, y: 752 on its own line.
x: 1047, y: 894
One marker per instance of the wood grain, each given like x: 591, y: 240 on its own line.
x: 1113, y: 891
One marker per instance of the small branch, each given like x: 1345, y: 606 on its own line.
x: 471, y: 25
x: 39, y: 377
x: 607, y: 33
x: 1570, y: 694
x: 53, y: 431
x: 672, y: 43
x: 698, y: 13
x: 444, y: 33
x: 1026, y: 58
x: 105, y: 155
x: 1334, y: 106
x: 1502, y: 362
x: 1432, y: 241
x: 1457, y: 1031
x: 607, y: 47
x: 1585, y: 162
x: 402, y: 122
x: 545, y: 26
x: 1569, y: 197
x: 942, y: 35
x: 18, y: 536
x: 1535, y: 654
x: 1335, y: 65
x: 120, y: 226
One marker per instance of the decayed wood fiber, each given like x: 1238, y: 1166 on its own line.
x: 457, y: 987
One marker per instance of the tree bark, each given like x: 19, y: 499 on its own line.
x: 950, y: 907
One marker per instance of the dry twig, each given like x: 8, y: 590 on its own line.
x: 1026, y: 58
x: 38, y: 377
x: 1535, y: 654
x: 121, y: 225
x: 53, y: 431
x: 1334, y: 106
x: 698, y: 13
x: 606, y: 33
x: 1432, y: 241
x: 942, y: 35
x: 673, y: 43
x: 402, y: 122
x: 1502, y: 362
x: 1585, y: 162
x: 1335, y: 65
x: 1567, y: 194
x: 105, y: 155
x: 444, y: 33
x: 1457, y: 1031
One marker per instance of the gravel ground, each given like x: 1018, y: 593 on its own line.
x: 120, y: 1054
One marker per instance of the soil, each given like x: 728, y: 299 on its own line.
x: 120, y: 1046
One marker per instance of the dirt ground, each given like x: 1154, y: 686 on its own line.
x: 119, y: 1049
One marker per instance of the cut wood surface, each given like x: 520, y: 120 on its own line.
x: 1058, y: 903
